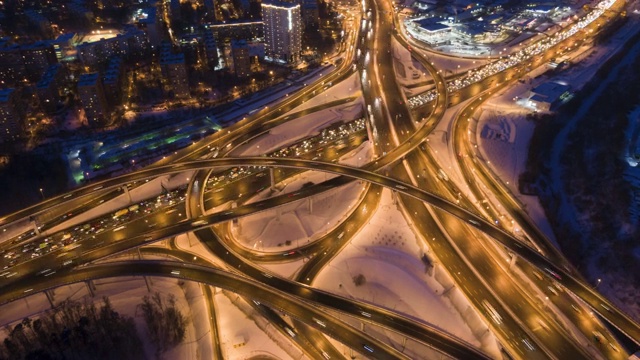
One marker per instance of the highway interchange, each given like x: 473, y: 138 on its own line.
x: 400, y: 154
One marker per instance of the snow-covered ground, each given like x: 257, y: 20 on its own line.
x: 303, y: 221
x: 411, y: 73
x: 300, y: 128
x: 387, y: 248
x: 407, y: 71
x: 246, y: 334
x: 502, y: 133
x: 348, y: 87
x: 386, y: 245
x: 150, y: 189
x: 298, y: 223
x: 125, y: 294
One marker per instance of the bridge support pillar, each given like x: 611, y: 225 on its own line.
x: 272, y: 179
x: 449, y: 289
x: 370, y: 133
x: 278, y: 212
x: 234, y: 222
x: 147, y: 282
x: 126, y: 192
x: 310, y: 206
x: 512, y: 261
x: 91, y: 287
x: 50, y: 296
x: 431, y: 270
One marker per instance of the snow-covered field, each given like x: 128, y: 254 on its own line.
x: 300, y: 222
x: 246, y: 334
x: 125, y: 295
x: 387, y: 248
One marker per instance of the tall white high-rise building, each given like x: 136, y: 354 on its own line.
x: 282, y: 31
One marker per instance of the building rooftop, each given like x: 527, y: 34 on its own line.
x: 549, y: 91
x: 172, y: 59
x: 48, y: 76
x: 88, y: 79
x: 431, y: 24
x: 282, y: 4
x: 66, y: 37
x: 238, y: 43
x: 146, y: 16
x: 234, y: 23
x: 542, y: 8
x: 112, y: 72
x: 5, y: 94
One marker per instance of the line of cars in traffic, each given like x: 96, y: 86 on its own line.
x: 40, y: 245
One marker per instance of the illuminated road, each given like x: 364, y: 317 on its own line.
x: 383, y: 94
x: 267, y: 293
x: 591, y: 297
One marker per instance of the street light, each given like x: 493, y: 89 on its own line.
x: 42, y: 193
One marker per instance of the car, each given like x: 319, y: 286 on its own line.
x: 199, y: 223
x: 43, y: 271
x: 597, y: 336
x: 553, y: 273
x: 528, y: 344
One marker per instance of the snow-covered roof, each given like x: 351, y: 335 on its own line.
x: 431, y: 24
x: 549, y: 91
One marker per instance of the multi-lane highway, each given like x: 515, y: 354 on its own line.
x: 583, y: 290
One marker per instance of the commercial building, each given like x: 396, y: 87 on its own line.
x: 64, y: 45
x: 92, y: 97
x: 10, y: 115
x: 548, y: 95
x: 282, y: 32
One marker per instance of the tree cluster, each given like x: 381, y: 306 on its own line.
x: 74, y: 331
x: 359, y: 280
x: 165, y: 323
x: 593, y: 172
